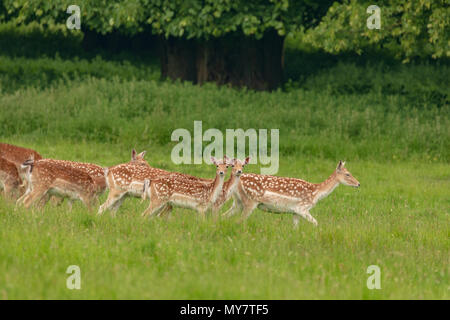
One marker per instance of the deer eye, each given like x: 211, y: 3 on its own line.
x: 232, y: 166
x: 347, y: 174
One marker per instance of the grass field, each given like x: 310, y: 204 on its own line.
x: 391, y: 123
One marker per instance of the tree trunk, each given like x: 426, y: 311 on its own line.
x: 233, y: 59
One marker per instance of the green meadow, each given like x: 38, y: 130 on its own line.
x: 389, y: 121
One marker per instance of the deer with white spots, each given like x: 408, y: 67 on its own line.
x: 127, y: 180
x: 18, y: 155
x: 9, y: 179
x: 94, y: 171
x: 176, y: 190
x: 228, y: 188
x: 231, y: 184
x: 47, y: 178
x: 290, y: 195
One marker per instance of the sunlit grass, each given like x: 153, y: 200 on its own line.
x: 397, y: 220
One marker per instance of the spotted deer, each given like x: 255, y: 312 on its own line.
x: 175, y: 190
x: 95, y: 171
x: 18, y: 155
x: 290, y: 195
x: 230, y: 185
x: 127, y: 180
x: 47, y: 178
x: 9, y: 179
x: 227, y: 189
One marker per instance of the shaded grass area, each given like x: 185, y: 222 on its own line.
x: 33, y: 56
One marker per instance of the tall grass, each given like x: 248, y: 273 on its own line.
x: 312, y: 123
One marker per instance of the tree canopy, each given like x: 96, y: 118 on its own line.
x: 201, y: 19
x: 414, y: 28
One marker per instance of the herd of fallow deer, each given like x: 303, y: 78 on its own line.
x: 31, y: 180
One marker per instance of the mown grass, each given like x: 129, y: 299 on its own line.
x: 390, y: 122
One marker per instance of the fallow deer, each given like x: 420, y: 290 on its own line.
x: 95, y: 171
x: 290, y: 195
x: 176, y: 191
x: 18, y: 155
x: 127, y: 180
x: 46, y: 178
x: 9, y: 179
x: 227, y: 189
x: 230, y: 185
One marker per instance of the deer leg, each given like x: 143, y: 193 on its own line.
x: 9, y: 191
x: 88, y: 201
x: 56, y: 201
x: 113, y: 197
x: 154, y: 208
x: 249, y: 207
x: 43, y: 201
x: 34, y: 196
x: 115, y: 207
x: 202, y: 212
x: 166, y: 211
x: 70, y: 204
x: 304, y: 213
x: 22, y: 198
x: 237, y: 206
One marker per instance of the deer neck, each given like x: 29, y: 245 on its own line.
x: 217, y: 186
x: 228, y: 188
x: 326, y: 187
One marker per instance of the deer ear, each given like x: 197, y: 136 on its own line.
x: 133, y: 154
x: 226, y: 160
x: 340, y: 165
x: 142, y: 154
x: 213, y: 160
x: 247, y: 160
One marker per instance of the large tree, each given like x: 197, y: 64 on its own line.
x: 226, y: 41
x: 409, y: 29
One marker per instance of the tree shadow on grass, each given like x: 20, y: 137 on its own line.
x: 31, y: 56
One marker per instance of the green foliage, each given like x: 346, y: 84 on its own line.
x: 187, y: 18
x: 417, y: 28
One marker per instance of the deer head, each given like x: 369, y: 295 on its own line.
x: 138, y: 157
x: 237, y: 165
x: 344, y: 176
x: 221, y: 166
